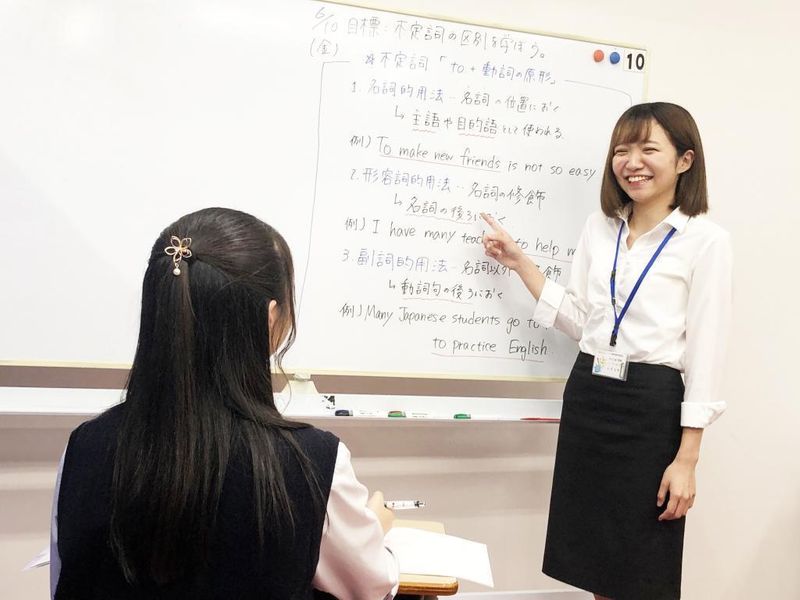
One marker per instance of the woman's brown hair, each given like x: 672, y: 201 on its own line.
x: 633, y: 126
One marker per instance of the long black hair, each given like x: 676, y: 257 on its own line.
x: 199, y: 390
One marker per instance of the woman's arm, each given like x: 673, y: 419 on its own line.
x: 55, y: 559
x: 353, y: 562
x: 499, y: 245
x: 708, y: 319
x: 557, y: 306
x: 679, y: 478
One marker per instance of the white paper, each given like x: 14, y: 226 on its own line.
x: 428, y: 553
x: 40, y: 560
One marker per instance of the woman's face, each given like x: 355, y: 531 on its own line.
x: 648, y: 170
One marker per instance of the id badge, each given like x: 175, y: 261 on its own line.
x: 611, y: 364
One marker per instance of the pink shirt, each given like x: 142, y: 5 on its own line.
x: 353, y: 561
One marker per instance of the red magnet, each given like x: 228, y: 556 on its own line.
x: 598, y: 55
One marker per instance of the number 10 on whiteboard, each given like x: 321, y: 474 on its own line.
x: 634, y: 60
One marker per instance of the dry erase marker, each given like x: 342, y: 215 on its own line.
x: 396, y: 414
x: 369, y: 413
x: 463, y: 416
x: 343, y: 412
x: 404, y: 504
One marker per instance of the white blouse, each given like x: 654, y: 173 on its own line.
x: 354, y: 562
x: 680, y: 317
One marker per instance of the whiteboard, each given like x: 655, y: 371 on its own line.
x: 370, y: 139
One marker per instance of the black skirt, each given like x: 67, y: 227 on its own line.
x: 615, y: 440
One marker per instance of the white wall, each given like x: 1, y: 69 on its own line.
x: 734, y: 66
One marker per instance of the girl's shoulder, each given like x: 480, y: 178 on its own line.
x: 105, y: 425
x: 317, y: 438
x: 703, y: 225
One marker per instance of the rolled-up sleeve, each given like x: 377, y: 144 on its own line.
x: 354, y: 562
x: 566, y: 308
x: 708, y: 320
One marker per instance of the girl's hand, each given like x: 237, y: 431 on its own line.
x: 679, y: 482
x: 499, y: 245
x: 385, y: 516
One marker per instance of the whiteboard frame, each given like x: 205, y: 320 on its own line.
x: 380, y: 374
x: 563, y: 36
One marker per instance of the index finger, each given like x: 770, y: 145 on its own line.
x: 491, y: 221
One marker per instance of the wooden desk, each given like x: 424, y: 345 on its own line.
x: 425, y: 585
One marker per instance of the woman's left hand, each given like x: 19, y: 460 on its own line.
x: 679, y: 482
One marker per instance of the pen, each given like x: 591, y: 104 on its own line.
x: 404, y: 504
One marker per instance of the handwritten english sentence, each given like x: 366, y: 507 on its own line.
x: 523, y: 346
x: 386, y: 147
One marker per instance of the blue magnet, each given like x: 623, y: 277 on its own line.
x: 614, y: 57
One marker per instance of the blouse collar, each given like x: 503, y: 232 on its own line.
x: 676, y: 218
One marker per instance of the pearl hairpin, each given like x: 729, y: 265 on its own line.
x: 178, y: 250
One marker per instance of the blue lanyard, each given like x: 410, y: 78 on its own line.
x: 618, y: 318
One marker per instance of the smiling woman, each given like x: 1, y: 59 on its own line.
x: 630, y: 430
x: 652, y: 151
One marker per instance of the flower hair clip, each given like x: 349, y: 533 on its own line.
x: 178, y: 250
